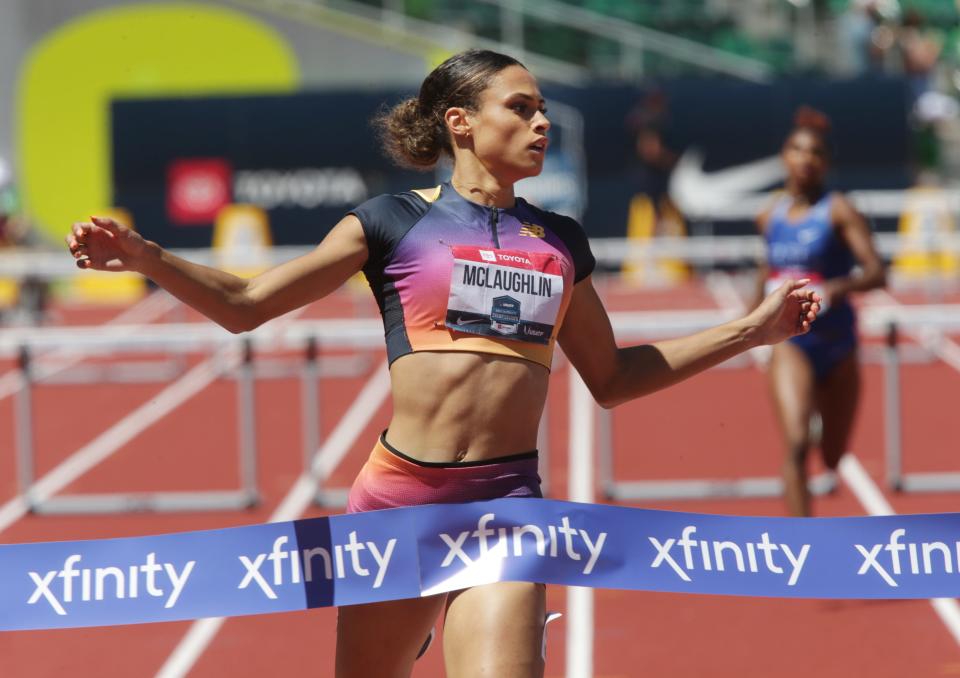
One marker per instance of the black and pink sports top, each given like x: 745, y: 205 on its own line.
x: 452, y: 275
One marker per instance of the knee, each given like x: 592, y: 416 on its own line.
x: 797, y: 453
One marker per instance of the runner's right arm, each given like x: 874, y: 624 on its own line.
x: 238, y: 304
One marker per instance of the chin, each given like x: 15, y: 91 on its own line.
x: 531, y: 171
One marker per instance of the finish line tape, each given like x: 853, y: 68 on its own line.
x: 422, y: 550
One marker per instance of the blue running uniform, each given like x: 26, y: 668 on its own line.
x: 809, y: 247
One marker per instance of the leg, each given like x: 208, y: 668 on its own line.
x: 791, y: 382
x: 495, y: 630
x: 837, y: 398
x: 382, y: 639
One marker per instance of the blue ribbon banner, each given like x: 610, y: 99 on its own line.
x: 423, y: 550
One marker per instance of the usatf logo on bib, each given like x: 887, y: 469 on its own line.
x: 507, y: 294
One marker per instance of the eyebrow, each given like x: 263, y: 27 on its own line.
x: 541, y: 100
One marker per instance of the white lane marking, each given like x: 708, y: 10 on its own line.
x: 141, y: 313
x: 870, y: 495
x: 202, y: 632
x: 580, y: 487
x: 108, y: 442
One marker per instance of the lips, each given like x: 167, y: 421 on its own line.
x: 539, y: 146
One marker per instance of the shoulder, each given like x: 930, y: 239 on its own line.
x: 770, y: 209
x: 388, y: 217
x: 842, y: 209
x: 391, y: 207
x: 560, y: 224
x: 571, y: 234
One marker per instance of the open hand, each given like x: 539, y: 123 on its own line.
x: 104, y: 244
x: 787, y: 311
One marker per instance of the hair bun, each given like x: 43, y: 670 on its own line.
x: 810, y: 118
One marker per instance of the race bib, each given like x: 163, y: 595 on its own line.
x: 779, y: 277
x: 507, y: 294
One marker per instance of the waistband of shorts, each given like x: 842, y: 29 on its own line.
x: 385, y: 452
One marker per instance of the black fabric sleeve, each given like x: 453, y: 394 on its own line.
x: 574, y: 237
x: 385, y: 220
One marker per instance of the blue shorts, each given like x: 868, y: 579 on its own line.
x: 831, y: 339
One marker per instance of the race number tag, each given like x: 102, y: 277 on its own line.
x: 508, y: 294
x: 779, y: 277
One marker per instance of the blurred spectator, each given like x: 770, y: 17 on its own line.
x: 30, y: 294
x: 920, y: 50
x: 856, y: 31
x: 865, y: 36
x: 647, y: 123
x: 652, y: 212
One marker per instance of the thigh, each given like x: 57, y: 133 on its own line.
x: 792, y: 387
x: 382, y: 639
x: 837, y: 398
x: 495, y: 630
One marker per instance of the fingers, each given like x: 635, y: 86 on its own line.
x: 107, y: 224
x: 77, y: 243
x: 792, y: 286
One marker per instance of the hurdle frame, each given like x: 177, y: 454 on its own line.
x: 897, y: 480
x: 245, y: 497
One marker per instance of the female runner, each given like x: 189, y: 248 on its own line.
x: 816, y: 234
x: 475, y: 286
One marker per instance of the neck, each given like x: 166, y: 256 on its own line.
x: 804, y: 194
x: 481, y: 187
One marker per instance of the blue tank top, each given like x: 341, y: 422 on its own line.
x: 807, y: 245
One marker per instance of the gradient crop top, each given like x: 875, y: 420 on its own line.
x: 452, y: 275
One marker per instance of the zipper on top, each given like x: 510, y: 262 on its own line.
x: 494, y: 221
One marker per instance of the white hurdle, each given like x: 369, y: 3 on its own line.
x: 927, y: 323
x: 231, y: 357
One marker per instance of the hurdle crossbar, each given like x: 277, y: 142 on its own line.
x: 224, y: 363
x: 897, y: 479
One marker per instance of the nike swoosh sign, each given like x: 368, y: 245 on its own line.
x: 701, y: 194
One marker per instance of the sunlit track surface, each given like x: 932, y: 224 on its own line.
x: 635, y: 633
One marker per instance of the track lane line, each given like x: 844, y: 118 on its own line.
x: 368, y: 402
x: 141, y: 313
x: 855, y: 476
x: 125, y: 430
x: 108, y: 442
x: 948, y: 609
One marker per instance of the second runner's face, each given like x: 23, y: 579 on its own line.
x: 509, y: 130
x: 805, y: 158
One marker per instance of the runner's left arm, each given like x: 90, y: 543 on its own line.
x: 617, y: 374
x: 853, y: 229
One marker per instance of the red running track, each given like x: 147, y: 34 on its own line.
x: 636, y: 633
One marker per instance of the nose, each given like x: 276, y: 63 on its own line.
x: 541, y: 123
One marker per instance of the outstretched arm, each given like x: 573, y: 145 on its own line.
x: 615, y: 375
x: 236, y: 303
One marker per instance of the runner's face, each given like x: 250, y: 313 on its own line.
x: 805, y: 158
x: 509, y: 130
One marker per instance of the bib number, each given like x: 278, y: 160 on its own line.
x: 507, y: 294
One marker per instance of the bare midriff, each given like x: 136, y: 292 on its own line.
x: 456, y: 406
